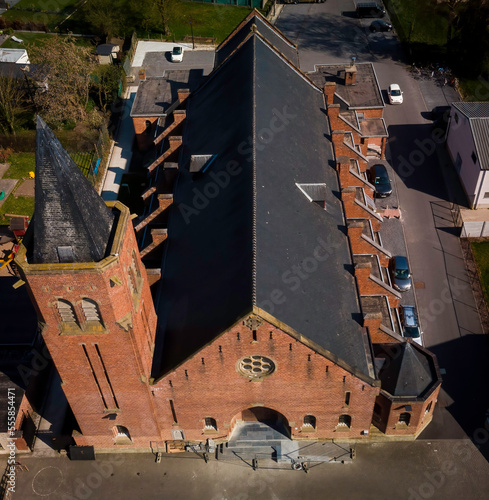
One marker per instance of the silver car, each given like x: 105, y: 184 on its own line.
x: 400, y: 273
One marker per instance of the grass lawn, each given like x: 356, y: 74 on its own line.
x: 30, y: 38
x: 474, y: 90
x: 21, y: 165
x: 22, y: 205
x: 57, y: 6
x: 208, y: 20
x: 480, y: 250
x: 41, y: 11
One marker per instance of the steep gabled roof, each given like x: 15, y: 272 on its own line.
x: 406, y: 370
x: 71, y: 222
x: 241, y: 233
x: 255, y: 21
x: 478, y: 115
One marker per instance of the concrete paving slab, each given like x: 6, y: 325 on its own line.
x: 8, y: 186
x: 120, y: 158
x: 26, y: 188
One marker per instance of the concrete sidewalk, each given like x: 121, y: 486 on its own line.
x: 121, y: 154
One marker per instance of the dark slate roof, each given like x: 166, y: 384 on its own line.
x: 240, y: 244
x: 473, y: 109
x: 105, y: 49
x: 405, y: 370
x: 71, y: 221
x: 268, y: 31
x: 156, y: 94
x: 365, y: 93
x: 478, y: 115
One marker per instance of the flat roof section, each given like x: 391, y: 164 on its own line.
x: 365, y: 93
x: 156, y: 94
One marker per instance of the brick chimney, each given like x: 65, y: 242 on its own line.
x: 372, y: 321
x: 183, y: 94
x: 350, y: 75
x: 343, y: 169
x: 338, y: 138
x: 175, y: 141
x: 355, y: 230
x: 165, y: 200
x: 142, y: 75
x: 362, y: 275
x: 351, y: 72
x: 329, y: 90
x: 333, y: 115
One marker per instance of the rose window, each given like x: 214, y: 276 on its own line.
x: 256, y: 366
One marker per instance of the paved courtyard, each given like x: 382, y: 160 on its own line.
x: 439, y: 470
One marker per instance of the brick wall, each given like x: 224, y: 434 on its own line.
x: 144, y: 134
x: 304, y: 383
x: 111, y: 362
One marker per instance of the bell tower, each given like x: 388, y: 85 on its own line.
x: 82, y: 267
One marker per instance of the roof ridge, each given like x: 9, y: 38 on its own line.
x: 255, y: 13
x: 288, y: 61
x: 254, y: 243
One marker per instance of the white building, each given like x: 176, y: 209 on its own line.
x: 468, y: 146
x: 18, y: 56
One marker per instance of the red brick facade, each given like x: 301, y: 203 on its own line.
x: 304, y: 382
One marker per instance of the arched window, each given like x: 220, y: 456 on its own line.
x: 121, y: 434
x: 66, y: 311
x: 344, y: 421
x: 404, y: 418
x: 91, y: 310
x: 210, y: 424
x: 309, y: 422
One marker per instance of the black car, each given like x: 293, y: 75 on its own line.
x: 379, y: 25
x: 377, y: 175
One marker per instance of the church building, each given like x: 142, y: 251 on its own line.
x: 245, y: 293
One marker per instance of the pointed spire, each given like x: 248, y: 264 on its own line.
x: 71, y: 221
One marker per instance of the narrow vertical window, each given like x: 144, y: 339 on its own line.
x: 173, y: 414
x: 347, y: 398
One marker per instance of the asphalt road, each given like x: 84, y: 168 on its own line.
x: 439, y: 470
x: 426, y: 187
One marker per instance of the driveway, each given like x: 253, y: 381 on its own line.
x: 328, y: 34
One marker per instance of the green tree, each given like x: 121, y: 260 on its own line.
x: 107, y: 78
x: 106, y: 16
x: 165, y: 9
x: 67, y: 69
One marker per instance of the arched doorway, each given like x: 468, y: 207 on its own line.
x: 259, y: 424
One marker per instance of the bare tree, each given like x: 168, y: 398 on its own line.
x: 12, y: 103
x: 67, y: 68
x: 165, y: 9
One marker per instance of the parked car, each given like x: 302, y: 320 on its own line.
x: 379, y: 25
x: 177, y: 54
x: 395, y: 94
x: 410, y: 323
x: 400, y: 273
x: 369, y: 9
x: 378, y: 176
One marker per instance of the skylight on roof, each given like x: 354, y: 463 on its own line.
x: 313, y: 192
x: 200, y: 163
